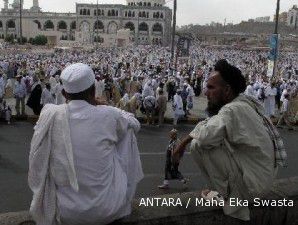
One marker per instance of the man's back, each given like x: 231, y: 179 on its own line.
x: 94, y: 133
x: 162, y: 103
x: 84, y: 160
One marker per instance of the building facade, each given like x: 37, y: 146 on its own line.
x: 264, y: 19
x: 292, y: 19
x: 148, y: 22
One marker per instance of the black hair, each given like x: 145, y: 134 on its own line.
x: 82, y: 95
x: 231, y: 75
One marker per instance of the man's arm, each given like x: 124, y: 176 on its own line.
x: 182, y: 146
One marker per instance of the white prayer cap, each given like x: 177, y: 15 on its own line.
x: 77, y: 78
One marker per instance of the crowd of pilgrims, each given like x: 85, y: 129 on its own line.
x: 143, y: 78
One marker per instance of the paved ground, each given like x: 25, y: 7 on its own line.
x: 14, y: 149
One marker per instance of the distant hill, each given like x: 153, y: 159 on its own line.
x: 257, y: 28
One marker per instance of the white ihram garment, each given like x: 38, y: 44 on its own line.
x: 59, y: 98
x: 99, y: 88
x: 46, y: 97
x: 84, y: 169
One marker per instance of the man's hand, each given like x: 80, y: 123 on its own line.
x: 178, y: 151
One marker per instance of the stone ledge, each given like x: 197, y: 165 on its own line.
x: 190, y: 120
x: 141, y: 215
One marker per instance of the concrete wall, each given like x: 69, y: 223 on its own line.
x: 141, y: 215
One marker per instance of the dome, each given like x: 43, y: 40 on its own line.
x: 146, y: 2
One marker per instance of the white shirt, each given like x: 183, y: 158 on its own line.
x: 20, y: 89
x: 102, y: 195
x: 250, y: 91
x: 285, y: 105
x: 46, y: 97
x: 59, y: 98
x: 1, y: 87
x: 99, y: 88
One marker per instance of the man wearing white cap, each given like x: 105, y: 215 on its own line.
x: 84, y: 160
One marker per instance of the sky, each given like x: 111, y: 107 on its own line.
x: 189, y: 11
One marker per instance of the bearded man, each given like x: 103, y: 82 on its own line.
x: 237, y: 148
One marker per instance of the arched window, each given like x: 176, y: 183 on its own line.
x: 81, y: 12
x: 88, y: 12
x: 62, y: 25
x: 140, y: 14
x: 133, y: 14
x: 145, y: 4
x: 84, y: 11
x: 143, y: 27
x: 161, y: 15
x: 49, y: 24
x: 98, y: 25
x: 116, y: 12
x: 149, y: 4
x: 144, y: 14
x: 125, y: 14
x: 130, y: 26
x: 109, y: 13
x: 95, y: 13
x: 157, y: 27
x: 113, y: 12
x: 11, y: 24
x: 112, y: 27
x: 147, y: 14
x: 73, y: 25
x: 1, y: 25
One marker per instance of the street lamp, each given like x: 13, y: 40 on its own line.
x: 276, y: 33
x: 97, y: 25
x: 21, y: 31
x: 173, y: 33
x: 277, y: 17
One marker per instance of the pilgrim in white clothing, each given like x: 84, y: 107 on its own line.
x: 84, y: 162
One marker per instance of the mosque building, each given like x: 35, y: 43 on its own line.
x: 140, y: 21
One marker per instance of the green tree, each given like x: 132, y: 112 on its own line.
x: 40, y: 40
x: 24, y: 40
x: 9, y: 38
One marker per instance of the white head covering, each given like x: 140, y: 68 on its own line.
x: 77, y: 78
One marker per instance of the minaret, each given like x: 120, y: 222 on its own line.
x: 35, y: 4
x: 16, y: 4
x: 35, y: 7
x: 5, y: 4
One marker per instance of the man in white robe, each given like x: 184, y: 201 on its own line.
x: 84, y: 163
x: 99, y: 87
x: 269, y: 102
x: 233, y: 148
x: 47, y: 97
x: 57, y: 91
x: 250, y: 90
x: 177, y: 107
x: 2, y: 86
